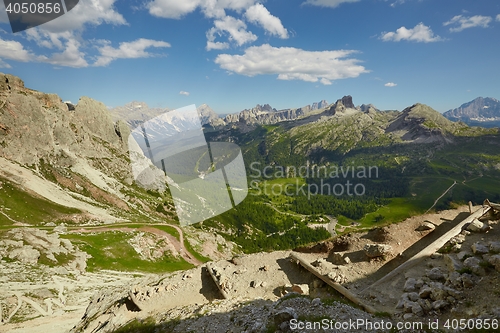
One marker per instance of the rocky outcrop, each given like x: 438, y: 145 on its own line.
x: 37, y: 126
x: 377, y: 250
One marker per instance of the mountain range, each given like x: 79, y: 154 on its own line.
x: 71, y: 204
x: 481, y: 111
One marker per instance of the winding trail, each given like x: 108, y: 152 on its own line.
x: 177, y: 243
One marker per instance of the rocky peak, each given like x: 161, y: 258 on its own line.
x: 347, y: 102
x: 319, y: 105
x: 481, y: 109
x: 341, y: 105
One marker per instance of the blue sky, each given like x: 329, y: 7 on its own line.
x: 234, y: 54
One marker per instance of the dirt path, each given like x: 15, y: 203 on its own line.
x: 178, y: 244
x: 442, y: 195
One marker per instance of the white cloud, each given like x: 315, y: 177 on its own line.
x: 232, y: 26
x: 13, y: 50
x: 93, y: 12
x: 127, y: 50
x: 260, y: 15
x: 498, y: 17
x: 420, y: 33
x: 3, y: 64
x: 212, y: 44
x: 70, y: 57
x: 173, y: 9
x: 461, y: 22
x: 185, y: 93
x: 176, y: 9
x: 390, y: 84
x: 236, y: 29
x: 327, y: 3
x: 293, y: 64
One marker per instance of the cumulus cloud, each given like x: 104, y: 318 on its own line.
x: 420, y: 33
x: 390, y: 84
x: 327, y: 3
x: 185, y: 93
x: 231, y: 26
x: 235, y: 28
x: 259, y: 14
x: 70, y: 57
x: 173, y: 9
x: 87, y: 12
x: 293, y: 64
x: 13, y: 50
x: 127, y: 50
x: 460, y: 22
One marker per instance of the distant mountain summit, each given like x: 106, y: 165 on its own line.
x: 479, y: 112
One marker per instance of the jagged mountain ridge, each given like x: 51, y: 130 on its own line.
x: 135, y: 113
x: 480, y: 112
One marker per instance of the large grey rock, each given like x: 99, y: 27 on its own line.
x: 454, y: 264
x: 377, y: 250
x: 495, y: 247
x: 436, y: 274
x: 26, y: 254
x: 410, y: 285
x: 479, y: 248
x: 473, y: 264
x: 495, y: 261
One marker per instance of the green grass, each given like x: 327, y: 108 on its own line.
x: 396, y: 211
x: 194, y: 253
x: 110, y: 250
x: 23, y: 207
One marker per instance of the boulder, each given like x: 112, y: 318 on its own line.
x: 426, y: 226
x: 413, y: 296
x: 467, y: 280
x: 377, y: 250
x: 495, y: 247
x: 495, y: 261
x: 339, y: 259
x: 439, y: 305
x: 454, y: 264
x: 26, y: 254
x: 410, y: 285
x: 425, y: 292
x: 436, y: 274
x: 473, y: 264
x: 462, y: 255
x: 479, y: 248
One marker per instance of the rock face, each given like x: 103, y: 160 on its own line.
x: 480, y: 111
x: 35, y: 126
